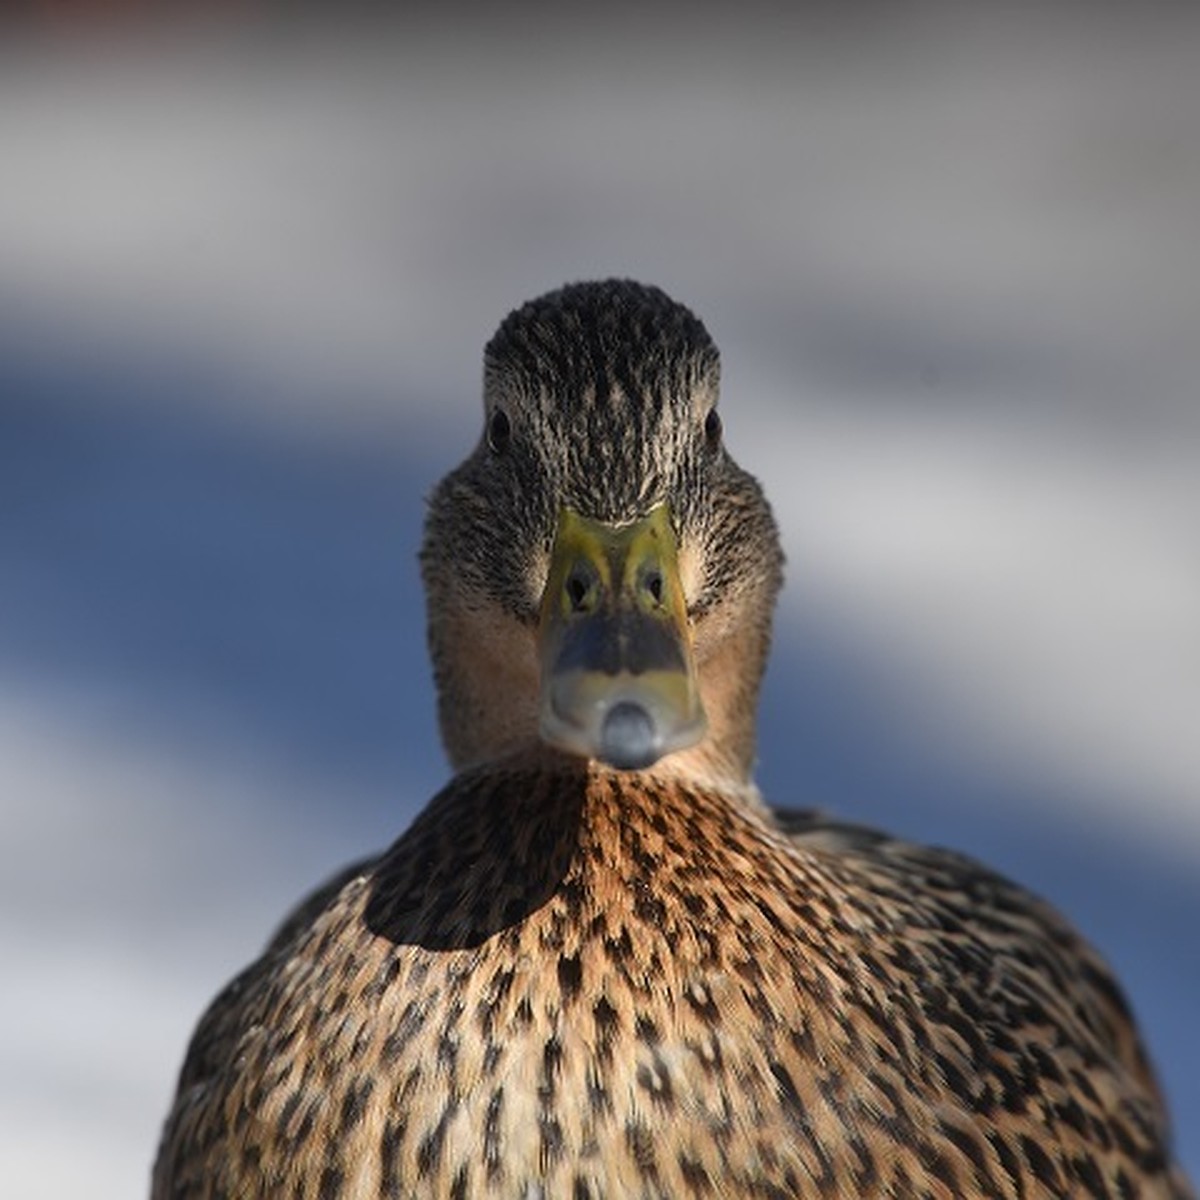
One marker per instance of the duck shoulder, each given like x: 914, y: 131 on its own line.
x: 967, y: 900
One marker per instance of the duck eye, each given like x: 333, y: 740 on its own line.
x: 499, y: 431
x: 712, y: 428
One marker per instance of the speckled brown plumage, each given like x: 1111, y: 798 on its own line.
x: 564, y: 980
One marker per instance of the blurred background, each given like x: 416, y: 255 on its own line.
x: 249, y: 256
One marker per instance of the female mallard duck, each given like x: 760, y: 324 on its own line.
x: 597, y: 964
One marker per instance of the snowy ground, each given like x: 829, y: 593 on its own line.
x: 954, y: 270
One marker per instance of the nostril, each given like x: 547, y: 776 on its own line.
x: 654, y: 585
x: 577, y: 587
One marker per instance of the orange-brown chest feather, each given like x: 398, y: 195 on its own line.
x: 565, y: 985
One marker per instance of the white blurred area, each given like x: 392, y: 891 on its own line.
x: 951, y: 254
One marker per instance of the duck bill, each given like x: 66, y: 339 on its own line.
x: 618, y: 677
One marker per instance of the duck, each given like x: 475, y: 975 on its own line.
x: 598, y: 963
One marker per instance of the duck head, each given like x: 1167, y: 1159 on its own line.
x: 600, y: 574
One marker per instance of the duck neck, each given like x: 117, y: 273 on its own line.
x: 729, y: 670
x: 502, y: 842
